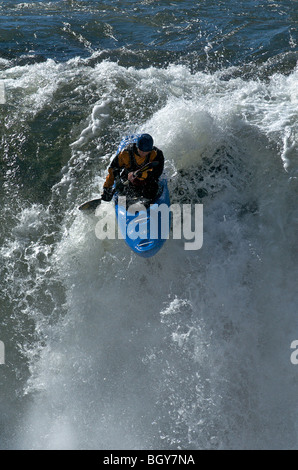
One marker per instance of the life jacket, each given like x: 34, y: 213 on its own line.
x: 127, y: 144
x: 127, y: 161
x: 132, y: 164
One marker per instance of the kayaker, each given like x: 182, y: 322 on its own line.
x: 123, y: 167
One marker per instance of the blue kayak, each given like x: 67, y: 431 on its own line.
x: 143, y: 230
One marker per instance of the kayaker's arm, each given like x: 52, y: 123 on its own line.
x: 113, y: 177
x: 158, y: 169
x: 136, y: 176
x: 113, y: 173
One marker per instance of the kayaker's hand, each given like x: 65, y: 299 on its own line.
x: 107, y: 194
x: 119, y: 186
x: 134, y: 180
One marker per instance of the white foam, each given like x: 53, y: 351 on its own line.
x: 187, y: 350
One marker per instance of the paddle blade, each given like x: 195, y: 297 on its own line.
x: 90, y: 206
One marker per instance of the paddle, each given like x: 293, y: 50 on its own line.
x: 90, y: 206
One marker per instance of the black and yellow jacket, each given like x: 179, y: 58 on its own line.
x: 129, y: 160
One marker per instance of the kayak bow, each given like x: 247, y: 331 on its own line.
x: 143, y: 230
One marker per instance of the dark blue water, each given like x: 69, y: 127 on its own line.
x: 203, y: 34
x: 188, y: 350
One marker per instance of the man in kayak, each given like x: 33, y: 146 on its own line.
x: 126, y: 170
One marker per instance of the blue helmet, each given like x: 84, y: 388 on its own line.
x: 145, y: 143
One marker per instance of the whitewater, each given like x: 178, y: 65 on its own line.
x: 189, y: 349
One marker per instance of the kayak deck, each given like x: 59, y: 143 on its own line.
x: 143, y: 229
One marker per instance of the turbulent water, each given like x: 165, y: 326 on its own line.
x: 188, y: 349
